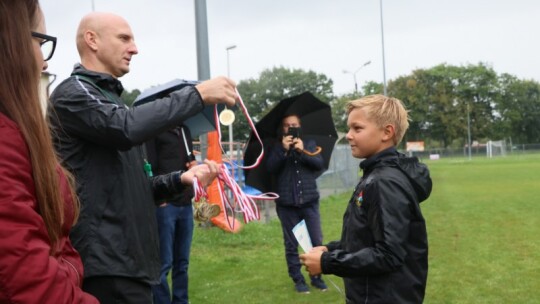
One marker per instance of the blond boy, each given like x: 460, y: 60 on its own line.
x: 383, y: 252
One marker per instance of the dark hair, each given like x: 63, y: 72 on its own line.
x: 19, y: 100
x: 279, y: 131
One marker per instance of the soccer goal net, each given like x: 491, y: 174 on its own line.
x: 495, y: 148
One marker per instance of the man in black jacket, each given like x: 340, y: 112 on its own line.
x: 168, y: 152
x: 98, y: 138
x: 383, y: 252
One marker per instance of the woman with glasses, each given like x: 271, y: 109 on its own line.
x: 37, y: 203
x: 47, y: 44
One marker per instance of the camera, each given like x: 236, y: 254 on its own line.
x: 295, y: 132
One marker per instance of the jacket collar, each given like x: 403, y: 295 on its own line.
x: 102, y: 80
x: 371, y: 161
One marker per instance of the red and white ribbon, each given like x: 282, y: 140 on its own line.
x: 251, y: 124
x: 239, y: 201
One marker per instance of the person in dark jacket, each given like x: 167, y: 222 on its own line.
x: 99, y: 139
x: 168, y: 152
x: 383, y: 251
x: 294, y: 164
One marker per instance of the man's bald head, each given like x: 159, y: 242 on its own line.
x: 105, y: 43
x: 96, y: 22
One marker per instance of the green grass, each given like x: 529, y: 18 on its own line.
x: 483, y: 229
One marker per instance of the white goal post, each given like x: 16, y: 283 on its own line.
x: 495, y: 148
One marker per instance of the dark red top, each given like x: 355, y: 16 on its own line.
x: 28, y: 274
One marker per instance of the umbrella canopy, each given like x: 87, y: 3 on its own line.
x: 201, y: 123
x: 317, y: 124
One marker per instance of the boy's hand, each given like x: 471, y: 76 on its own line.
x: 312, y: 261
x: 320, y: 248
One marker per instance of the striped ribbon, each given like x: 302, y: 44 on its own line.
x: 240, y: 202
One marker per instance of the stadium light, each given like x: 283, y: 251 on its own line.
x: 354, y: 75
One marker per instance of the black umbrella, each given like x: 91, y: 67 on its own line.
x: 201, y: 123
x: 317, y: 124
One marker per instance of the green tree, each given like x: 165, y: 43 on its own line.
x: 339, y: 114
x: 428, y: 94
x: 518, y: 110
x: 438, y: 99
x: 477, y: 86
x: 372, y: 87
x: 129, y: 96
x: 273, y: 85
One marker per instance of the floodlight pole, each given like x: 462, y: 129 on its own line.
x: 469, y: 130
x: 383, y: 60
x: 354, y: 75
x: 231, y: 125
x: 203, y: 57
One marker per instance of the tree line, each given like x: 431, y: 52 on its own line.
x: 442, y: 102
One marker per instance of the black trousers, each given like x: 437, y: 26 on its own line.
x: 289, y: 217
x: 118, y: 290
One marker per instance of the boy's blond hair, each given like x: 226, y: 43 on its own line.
x: 383, y: 111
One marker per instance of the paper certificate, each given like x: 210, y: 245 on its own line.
x: 302, y: 236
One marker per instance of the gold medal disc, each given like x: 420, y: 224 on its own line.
x: 226, y: 117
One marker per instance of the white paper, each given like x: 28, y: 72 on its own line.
x: 302, y: 236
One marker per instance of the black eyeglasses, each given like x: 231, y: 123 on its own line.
x: 47, y: 44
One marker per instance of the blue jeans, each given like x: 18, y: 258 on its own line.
x: 175, y: 226
x: 289, y: 217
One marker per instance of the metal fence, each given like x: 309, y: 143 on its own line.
x: 344, y: 172
x: 478, y: 151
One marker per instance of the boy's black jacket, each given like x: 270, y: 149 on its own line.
x: 383, y: 251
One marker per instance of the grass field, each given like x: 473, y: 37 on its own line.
x: 483, y: 221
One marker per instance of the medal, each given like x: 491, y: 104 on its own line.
x: 226, y: 117
x: 204, y: 211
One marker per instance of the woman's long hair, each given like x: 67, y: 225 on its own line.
x: 19, y: 100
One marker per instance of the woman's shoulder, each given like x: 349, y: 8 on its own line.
x: 7, y: 123
x: 12, y: 143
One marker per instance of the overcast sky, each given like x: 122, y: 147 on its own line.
x: 324, y: 36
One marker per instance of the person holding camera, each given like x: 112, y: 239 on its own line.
x: 293, y: 163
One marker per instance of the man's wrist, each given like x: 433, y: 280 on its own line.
x: 178, y: 177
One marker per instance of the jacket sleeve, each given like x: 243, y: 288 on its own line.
x: 334, y: 245
x: 27, y: 271
x: 276, y: 158
x: 314, y: 162
x: 81, y: 110
x: 167, y: 187
x: 389, y: 217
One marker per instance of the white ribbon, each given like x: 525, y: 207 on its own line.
x: 241, y: 202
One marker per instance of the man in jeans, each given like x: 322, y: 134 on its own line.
x: 168, y: 152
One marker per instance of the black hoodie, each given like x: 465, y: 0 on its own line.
x: 383, y: 251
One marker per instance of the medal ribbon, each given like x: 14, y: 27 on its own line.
x: 241, y: 202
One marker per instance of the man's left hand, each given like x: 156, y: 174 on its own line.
x: 298, y: 144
